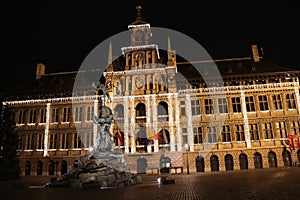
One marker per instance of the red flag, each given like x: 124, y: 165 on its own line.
x: 291, y: 142
x: 296, y: 140
x: 156, y: 136
x: 120, y: 139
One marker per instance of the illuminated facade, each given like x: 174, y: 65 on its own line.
x: 245, y: 122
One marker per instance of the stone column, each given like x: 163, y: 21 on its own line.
x: 47, y: 130
x: 171, y: 121
x: 132, y: 125
x: 126, y: 125
x: 189, y: 121
x: 177, y: 123
x: 95, y: 127
x: 297, y: 98
x: 148, y: 119
x: 245, y: 117
x: 154, y: 119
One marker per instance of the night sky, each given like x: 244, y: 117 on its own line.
x: 60, y: 34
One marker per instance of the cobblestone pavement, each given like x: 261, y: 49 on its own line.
x: 279, y: 183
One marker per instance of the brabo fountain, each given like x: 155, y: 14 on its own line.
x: 104, y: 168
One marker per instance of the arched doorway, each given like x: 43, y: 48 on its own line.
x: 27, y: 168
x: 287, y: 160
x: 258, y: 161
x: 200, y: 164
x: 272, y: 159
x: 243, y: 161
x: 228, y: 162
x: 165, y: 164
x: 140, y: 115
x: 142, y: 165
x: 51, y: 168
x: 162, y: 112
x: 39, y: 168
x: 214, y: 163
x: 164, y: 137
x: 63, y: 167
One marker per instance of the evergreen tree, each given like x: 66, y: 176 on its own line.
x: 9, y: 142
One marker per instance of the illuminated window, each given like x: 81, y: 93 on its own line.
x: 236, y: 104
x: 212, y: 134
x: 263, y: 103
x: 222, y: 103
x: 253, y: 130
x: 281, y: 129
x: 209, y: 106
x: 197, y: 135
x: 40, y: 141
x: 195, y: 107
x: 43, y: 116
x: 64, y: 141
x: 267, y: 130
x: 277, y: 101
x: 55, y: 115
x: 32, y: 116
x: 250, y: 104
x: 182, y: 108
x: 239, y: 132
x: 226, y: 134
x: 52, y: 140
x: 290, y: 101
x: 66, y: 115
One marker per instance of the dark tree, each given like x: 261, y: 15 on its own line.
x: 9, y: 143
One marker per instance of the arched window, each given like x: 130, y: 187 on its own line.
x: 228, y: 162
x: 39, y: 168
x: 63, y: 167
x: 163, y: 137
x: 119, y: 111
x: 200, y: 164
x: 243, y: 161
x: 272, y: 159
x: 27, y: 168
x: 51, y: 168
x: 165, y: 164
x: 140, y: 113
x: 162, y: 112
x: 287, y: 160
x: 214, y: 163
x: 257, y: 161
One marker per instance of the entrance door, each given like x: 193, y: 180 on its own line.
x: 200, y: 164
x: 141, y: 166
x: 214, y: 163
x: 228, y: 162
x: 243, y: 161
x: 272, y: 159
x: 286, y: 156
x: 257, y: 161
x: 165, y: 164
x: 39, y: 169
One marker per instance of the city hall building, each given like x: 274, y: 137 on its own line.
x: 250, y: 120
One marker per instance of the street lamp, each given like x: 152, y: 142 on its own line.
x: 187, y: 158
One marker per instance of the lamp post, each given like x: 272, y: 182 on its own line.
x: 187, y: 158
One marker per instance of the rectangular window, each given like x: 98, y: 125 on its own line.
x: 182, y: 108
x: 212, y: 134
x: 64, y: 141
x: 195, y: 106
x: 89, y: 113
x: 277, y: 101
x: 250, y: 104
x: 226, y: 134
x: 184, y: 136
x: 40, y: 141
x: 295, y: 127
x: 66, y: 115
x: 22, y: 116
x: 209, y: 106
x: 76, y: 141
x: 197, y: 135
x: 253, y: 130
x: 78, y: 114
x: 281, y: 129
x: 43, y: 116
x: 239, y: 132
x: 290, y: 101
x: 89, y: 139
x: 52, y: 140
x: 222, y: 103
x: 263, y: 102
x: 29, y: 142
x: 55, y: 115
x: 267, y: 130
x: 236, y: 104
x: 32, y: 116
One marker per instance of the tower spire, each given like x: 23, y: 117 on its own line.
x: 138, y: 13
x: 110, y: 54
